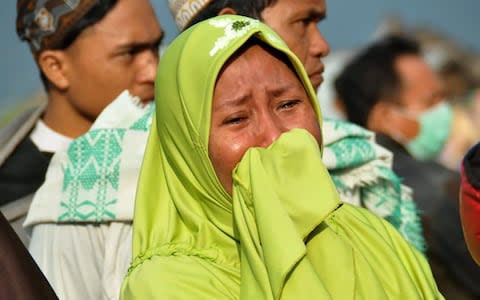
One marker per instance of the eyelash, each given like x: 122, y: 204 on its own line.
x: 127, y: 54
x: 234, y: 120
x: 289, y: 103
x: 285, y: 105
x: 306, y: 21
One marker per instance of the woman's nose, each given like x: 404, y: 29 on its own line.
x: 269, y: 130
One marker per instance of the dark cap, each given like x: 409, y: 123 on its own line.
x: 45, y: 23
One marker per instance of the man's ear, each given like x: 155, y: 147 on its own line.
x: 386, y: 119
x: 227, y: 11
x: 378, y: 118
x: 53, y: 65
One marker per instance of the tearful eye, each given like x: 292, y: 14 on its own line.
x: 289, y: 104
x: 234, y: 120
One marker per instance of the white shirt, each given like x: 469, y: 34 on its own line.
x: 88, y: 260
x: 83, y: 262
x: 48, y: 140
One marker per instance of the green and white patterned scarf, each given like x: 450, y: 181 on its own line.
x: 95, y: 180
x: 362, y: 172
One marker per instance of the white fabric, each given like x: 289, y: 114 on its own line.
x: 48, y: 140
x: 363, y: 174
x: 83, y: 261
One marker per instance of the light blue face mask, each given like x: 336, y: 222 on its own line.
x: 435, y: 125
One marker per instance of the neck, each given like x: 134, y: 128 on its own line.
x: 61, y: 116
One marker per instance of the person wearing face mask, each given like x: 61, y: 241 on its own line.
x: 390, y: 89
x: 434, y: 125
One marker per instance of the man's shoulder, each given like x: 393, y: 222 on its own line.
x: 427, y: 178
x: 12, y: 134
x: 347, y: 146
x: 334, y: 130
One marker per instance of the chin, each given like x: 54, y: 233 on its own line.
x: 316, y: 81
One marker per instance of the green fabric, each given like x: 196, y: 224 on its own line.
x: 283, y: 235
x: 362, y: 172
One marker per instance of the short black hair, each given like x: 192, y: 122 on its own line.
x: 371, y: 76
x: 247, y: 8
x: 93, y: 16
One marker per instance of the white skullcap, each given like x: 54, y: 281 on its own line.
x: 183, y: 11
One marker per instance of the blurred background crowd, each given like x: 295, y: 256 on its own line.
x: 456, y: 62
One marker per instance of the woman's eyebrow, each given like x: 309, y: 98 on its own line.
x: 233, y: 102
x: 285, y: 87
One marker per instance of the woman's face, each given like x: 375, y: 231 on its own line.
x: 257, y: 97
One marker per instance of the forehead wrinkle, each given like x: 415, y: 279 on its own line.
x: 289, y: 81
x: 284, y: 87
x: 276, y: 85
x: 233, y: 71
x: 233, y: 102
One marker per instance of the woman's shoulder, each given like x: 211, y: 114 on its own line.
x: 363, y: 219
x: 179, y: 277
x: 377, y: 242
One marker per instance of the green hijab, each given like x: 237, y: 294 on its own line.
x: 284, y: 234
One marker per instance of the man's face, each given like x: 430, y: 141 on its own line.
x: 420, y: 90
x: 119, y: 52
x: 296, y: 22
x: 421, y: 87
